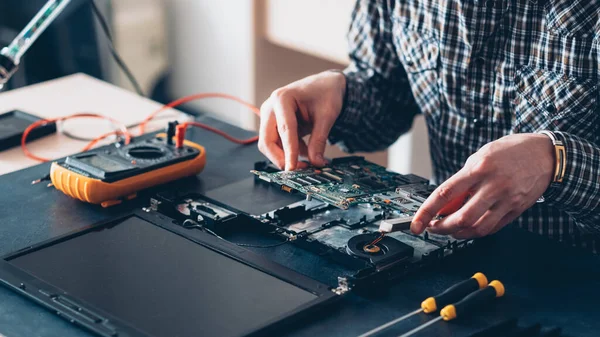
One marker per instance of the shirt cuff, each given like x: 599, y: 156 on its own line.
x: 579, y: 192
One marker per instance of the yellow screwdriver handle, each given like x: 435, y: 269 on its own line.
x: 473, y: 301
x: 454, y: 293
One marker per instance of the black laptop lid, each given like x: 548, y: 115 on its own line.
x: 162, y: 283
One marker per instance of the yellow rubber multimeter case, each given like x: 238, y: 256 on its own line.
x: 110, y: 176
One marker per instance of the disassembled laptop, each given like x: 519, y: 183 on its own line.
x: 348, y: 205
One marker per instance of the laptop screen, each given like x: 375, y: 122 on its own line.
x: 162, y: 283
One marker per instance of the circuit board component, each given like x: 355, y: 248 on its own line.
x: 349, y: 181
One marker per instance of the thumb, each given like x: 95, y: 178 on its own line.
x: 317, y: 143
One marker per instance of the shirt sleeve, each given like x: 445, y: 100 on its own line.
x: 378, y: 104
x: 579, y: 193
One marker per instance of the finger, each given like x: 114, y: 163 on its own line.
x: 490, y: 222
x: 268, y: 142
x: 507, y: 219
x: 470, y: 213
x: 457, y: 185
x: 318, y: 142
x: 482, y: 228
x: 287, y: 127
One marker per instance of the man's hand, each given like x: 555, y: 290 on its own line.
x: 504, y: 178
x: 308, y: 106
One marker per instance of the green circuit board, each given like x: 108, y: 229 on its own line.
x: 349, y: 181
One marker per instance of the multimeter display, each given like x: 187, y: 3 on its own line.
x: 103, y: 163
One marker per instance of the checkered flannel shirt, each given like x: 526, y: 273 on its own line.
x: 479, y: 70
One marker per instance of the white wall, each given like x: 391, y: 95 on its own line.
x: 325, y: 34
x: 139, y: 28
x: 211, y: 48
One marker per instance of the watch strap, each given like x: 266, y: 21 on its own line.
x: 560, y: 157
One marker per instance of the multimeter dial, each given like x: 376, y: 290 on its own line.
x: 154, y: 151
x: 145, y: 152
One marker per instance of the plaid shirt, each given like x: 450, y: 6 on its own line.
x: 479, y: 70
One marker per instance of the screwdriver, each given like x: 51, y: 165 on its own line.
x: 465, y: 306
x: 450, y: 295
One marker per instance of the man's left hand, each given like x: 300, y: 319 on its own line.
x: 504, y: 178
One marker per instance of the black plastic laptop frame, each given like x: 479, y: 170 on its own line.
x: 103, y: 323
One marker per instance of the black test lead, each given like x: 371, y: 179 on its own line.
x: 39, y: 180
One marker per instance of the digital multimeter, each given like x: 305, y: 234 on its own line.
x: 112, y: 175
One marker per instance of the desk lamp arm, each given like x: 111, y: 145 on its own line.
x: 11, y: 56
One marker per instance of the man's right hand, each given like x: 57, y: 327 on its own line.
x: 308, y: 106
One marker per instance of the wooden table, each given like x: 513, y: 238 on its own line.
x: 72, y: 94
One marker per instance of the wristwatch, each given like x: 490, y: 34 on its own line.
x: 560, y: 157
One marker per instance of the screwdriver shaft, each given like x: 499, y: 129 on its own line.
x: 421, y: 327
x: 390, y: 323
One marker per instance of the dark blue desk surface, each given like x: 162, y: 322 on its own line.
x: 545, y: 281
